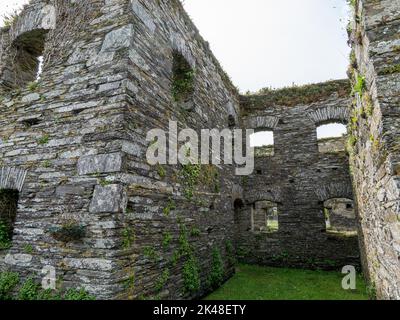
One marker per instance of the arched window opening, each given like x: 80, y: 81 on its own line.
x: 332, y: 138
x: 340, y: 216
x: 182, y: 81
x: 26, y: 62
x: 265, y: 217
x: 263, y: 142
x: 8, y: 212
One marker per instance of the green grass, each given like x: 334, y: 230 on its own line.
x: 264, y: 283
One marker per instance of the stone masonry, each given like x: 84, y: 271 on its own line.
x: 375, y: 67
x: 298, y: 178
x: 73, y: 155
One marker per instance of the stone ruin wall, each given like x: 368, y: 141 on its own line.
x: 79, y: 138
x: 298, y: 179
x: 375, y: 138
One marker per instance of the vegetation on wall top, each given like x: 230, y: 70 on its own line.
x: 296, y: 95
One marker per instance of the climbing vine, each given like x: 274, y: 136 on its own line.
x: 12, y: 288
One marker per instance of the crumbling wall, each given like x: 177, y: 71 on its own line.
x: 298, y: 178
x: 50, y: 127
x: 95, y: 210
x: 374, y: 138
x: 91, y: 206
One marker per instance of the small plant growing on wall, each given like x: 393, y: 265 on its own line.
x: 183, y: 78
x: 69, y: 231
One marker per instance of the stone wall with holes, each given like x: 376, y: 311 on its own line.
x: 297, y: 179
x: 374, y: 139
x: 91, y: 206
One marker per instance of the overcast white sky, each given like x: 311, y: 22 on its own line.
x: 270, y: 43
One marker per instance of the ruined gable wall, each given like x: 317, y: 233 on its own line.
x: 375, y: 155
x: 298, y: 178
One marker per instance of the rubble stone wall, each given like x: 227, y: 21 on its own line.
x: 374, y: 139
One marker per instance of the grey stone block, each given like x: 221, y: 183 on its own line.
x: 108, y: 199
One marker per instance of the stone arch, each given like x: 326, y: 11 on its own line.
x: 334, y: 190
x: 329, y: 114
x: 23, y: 42
x: 233, y: 118
x: 262, y: 122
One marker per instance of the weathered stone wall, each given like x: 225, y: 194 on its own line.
x: 374, y: 139
x: 298, y: 178
x: 80, y: 134
x: 161, y: 210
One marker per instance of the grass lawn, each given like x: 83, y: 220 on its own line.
x: 264, y: 283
